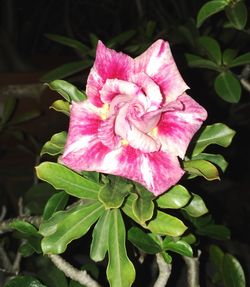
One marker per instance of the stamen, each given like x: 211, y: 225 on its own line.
x: 104, y: 111
x: 154, y: 132
x: 124, y: 142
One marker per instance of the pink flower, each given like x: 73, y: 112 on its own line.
x: 137, y: 120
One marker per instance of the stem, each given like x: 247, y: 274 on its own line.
x: 193, y: 270
x: 164, y: 271
x: 77, y: 275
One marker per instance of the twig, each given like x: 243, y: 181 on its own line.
x: 5, y: 259
x: 164, y: 271
x: 193, y: 270
x: 80, y: 276
x: 244, y: 76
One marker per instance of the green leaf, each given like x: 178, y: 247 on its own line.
x: 232, y: 272
x: 243, y: 59
x: 66, y: 226
x: 189, y: 238
x: 210, y: 8
x: 216, y: 255
x: 67, y: 90
x: 121, y: 38
x: 55, y: 145
x: 181, y: 247
x: 66, y: 70
x: 218, y: 133
x: 61, y: 106
x: 23, y: 281
x: 93, y: 39
x: 26, y: 116
x: 73, y: 43
x: 57, y: 202
x: 211, y: 48
x: 215, y: 231
x: 177, y: 197
x: 143, y: 208
x: 202, y: 168
x: 26, y: 250
x: 128, y: 209
x: 237, y: 14
x: 195, y: 61
x: 65, y: 179
x: 167, y: 258
x: 196, y: 207
x: 228, y: 56
x: 143, y: 241
x: 228, y: 87
x: 214, y: 158
x: 114, y: 191
x: 120, y: 270
x: 165, y: 224
x: 8, y: 109
x: 24, y: 227
x: 99, y: 244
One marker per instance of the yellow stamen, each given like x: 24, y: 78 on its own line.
x: 154, y: 132
x: 124, y: 142
x: 104, y: 111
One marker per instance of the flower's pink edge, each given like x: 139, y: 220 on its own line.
x: 177, y: 126
x: 157, y: 171
x: 108, y: 64
x: 158, y: 63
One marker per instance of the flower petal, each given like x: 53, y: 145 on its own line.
x: 177, y: 126
x: 157, y: 62
x: 108, y: 65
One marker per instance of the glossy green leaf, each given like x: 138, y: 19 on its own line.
x: 215, y: 231
x: 228, y: 87
x: 99, y: 244
x: 202, y: 168
x: 120, y: 270
x: 218, y: 133
x: 166, y: 224
x: 57, y: 202
x: 216, y: 255
x: 66, y: 226
x: 243, y: 59
x: 128, y: 209
x: 228, y: 56
x: 210, y: 8
x: 143, y: 208
x: 65, y: 179
x: 67, y: 90
x: 8, y: 109
x: 237, y: 14
x: 217, y: 159
x: 112, y: 194
x: 73, y: 43
x: 196, y: 207
x: 24, y: 227
x: 211, y: 48
x: 26, y: 250
x: 23, y: 281
x: 189, y: 238
x: 66, y: 70
x: 61, y: 106
x: 55, y: 145
x: 143, y: 241
x: 232, y: 272
x: 177, y: 197
x: 167, y: 258
x: 195, y: 61
x: 181, y: 247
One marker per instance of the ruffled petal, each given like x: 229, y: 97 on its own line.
x: 108, y: 65
x: 177, y: 126
x: 157, y: 62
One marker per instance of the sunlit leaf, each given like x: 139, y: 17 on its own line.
x: 181, y: 247
x: 143, y: 241
x: 65, y: 179
x: 66, y: 226
x: 218, y: 133
x: 143, y: 208
x: 202, y: 168
x: 61, y: 106
x: 177, y: 197
x: 128, y: 209
x: 55, y: 145
x: 166, y: 224
x: 57, y: 202
x: 217, y: 159
x: 210, y: 8
x: 67, y: 90
x: 99, y: 244
x: 228, y: 87
x: 196, y: 207
x: 120, y: 270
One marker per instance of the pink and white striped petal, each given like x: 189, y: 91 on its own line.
x: 108, y: 64
x: 177, y: 126
x: 158, y: 63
